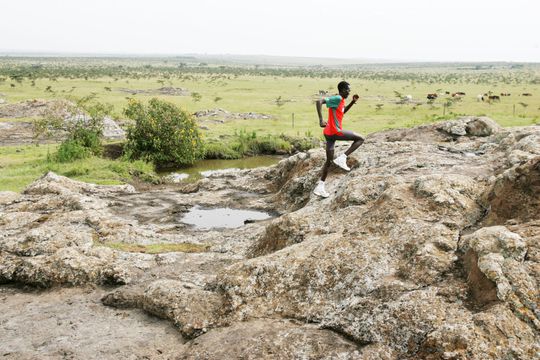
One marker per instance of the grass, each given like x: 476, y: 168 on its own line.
x: 258, y: 94
x: 156, y: 248
x: 21, y: 165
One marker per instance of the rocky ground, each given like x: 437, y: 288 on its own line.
x: 221, y: 116
x: 428, y: 249
x: 22, y: 132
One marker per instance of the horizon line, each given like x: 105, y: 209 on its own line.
x: 366, y: 60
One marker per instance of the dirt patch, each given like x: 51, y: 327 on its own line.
x: 21, y: 133
x: 32, y: 108
x: 73, y: 324
x: 221, y: 115
x: 172, y: 91
x: 16, y: 133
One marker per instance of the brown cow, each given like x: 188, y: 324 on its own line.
x: 432, y: 96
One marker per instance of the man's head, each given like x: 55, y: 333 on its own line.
x: 344, y: 88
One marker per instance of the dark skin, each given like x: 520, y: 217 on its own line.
x: 356, y: 142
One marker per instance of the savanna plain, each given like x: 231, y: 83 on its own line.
x: 265, y: 101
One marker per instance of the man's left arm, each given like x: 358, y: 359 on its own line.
x: 354, y: 100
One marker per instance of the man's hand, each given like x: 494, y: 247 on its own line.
x: 355, y: 98
x: 322, y: 124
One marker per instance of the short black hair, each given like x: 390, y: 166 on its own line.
x: 342, y: 85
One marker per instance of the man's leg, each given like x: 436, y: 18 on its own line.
x: 320, y: 189
x: 328, y: 162
x: 357, y: 141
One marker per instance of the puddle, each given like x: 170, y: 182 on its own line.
x: 206, y: 219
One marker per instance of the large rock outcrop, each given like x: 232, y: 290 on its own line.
x: 429, y: 248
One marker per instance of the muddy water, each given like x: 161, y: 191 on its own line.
x: 205, y: 219
x: 206, y: 167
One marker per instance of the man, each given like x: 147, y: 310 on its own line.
x: 333, y: 131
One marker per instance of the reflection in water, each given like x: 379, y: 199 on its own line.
x: 205, y: 219
x: 207, y: 167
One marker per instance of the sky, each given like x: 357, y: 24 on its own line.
x: 408, y: 30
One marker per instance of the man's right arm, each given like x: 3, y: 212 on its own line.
x: 318, y: 105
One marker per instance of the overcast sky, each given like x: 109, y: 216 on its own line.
x: 437, y: 30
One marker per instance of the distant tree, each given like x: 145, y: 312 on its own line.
x: 196, y: 96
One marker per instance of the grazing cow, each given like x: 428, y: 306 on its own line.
x: 447, y: 92
x: 526, y: 94
x: 480, y: 97
x: 432, y: 96
x: 505, y: 94
x: 494, y: 98
x: 459, y: 93
x: 408, y: 98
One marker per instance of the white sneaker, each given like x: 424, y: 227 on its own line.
x: 341, y: 161
x: 320, y: 190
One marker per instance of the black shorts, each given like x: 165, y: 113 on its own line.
x: 346, y: 135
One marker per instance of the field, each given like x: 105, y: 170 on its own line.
x: 286, y: 93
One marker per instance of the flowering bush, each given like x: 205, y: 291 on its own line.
x: 163, y: 134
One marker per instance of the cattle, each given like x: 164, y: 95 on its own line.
x: 526, y: 94
x: 505, y: 94
x: 480, y: 97
x: 459, y: 93
x: 432, y: 96
x: 488, y: 97
x: 408, y: 98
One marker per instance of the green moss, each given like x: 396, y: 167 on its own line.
x: 156, y: 248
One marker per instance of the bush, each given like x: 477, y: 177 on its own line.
x: 163, y: 134
x: 270, y: 145
x: 71, y: 150
x: 220, y: 151
x: 83, y: 124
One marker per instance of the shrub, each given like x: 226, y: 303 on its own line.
x: 301, y: 143
x: 163, y: 134
x: 81, y: 121
x: 70, y: 150
x: 270, y: 145
x: 220, y: 151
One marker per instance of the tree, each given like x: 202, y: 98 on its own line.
x: 163, y: 134
x: 82, y: 122
x: 196, y: 96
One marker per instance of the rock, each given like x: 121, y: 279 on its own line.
x: 8, y: 196
x: 271, y: 339
x: 501, y: 256
x: 427, y: 248
x: 482, y: 126
x: 472, y: 126
x: 193, y: 311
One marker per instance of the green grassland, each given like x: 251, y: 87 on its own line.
x: 277, y: 91
x: 21, y: 165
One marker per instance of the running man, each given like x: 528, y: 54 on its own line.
x: 333, y: 131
